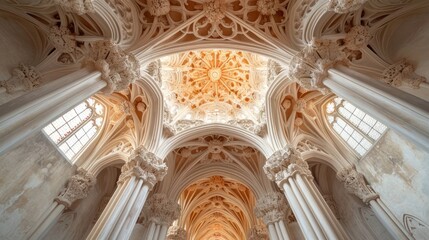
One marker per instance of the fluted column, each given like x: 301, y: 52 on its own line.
x: 258, y: 232
x: 77, y: 188
x: 291, y: 173
x: 176, y: 233
x: 161, y: 214
x: 272, y: 208
x: 354, y: 183
x: 109, y: 69
x: 142, y: 171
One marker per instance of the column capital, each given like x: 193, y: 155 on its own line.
x: 402, y: 72
x: 258, y: 232
x: 272, y: 207
x: 310, y: 66
x: 117, y: 67
x: 144, y: 165
x: 285, y: 163
x: 79, y: 7
x: 345, y: 6
x: 78, y: 187
x: 161, y: 210
x: 354, y: 183
x: 176, y: 233
x: 24, y: 77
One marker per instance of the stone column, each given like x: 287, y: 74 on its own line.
x: 142, y: 171
x: 109, y: 69
x: 161, y: 213
x: 77, y: 188
x: 291, y: 173
x: 354, y: 183
x: 176, y: 233
x: 258, y: 232
x: 272, y: 208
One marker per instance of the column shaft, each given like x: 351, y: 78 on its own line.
x: 272, y: 232
x: 284, y: 231
x: 29, y: 113
x: 163, y: 232
x: 387, y: 222
x: 400, y: 111
x: 48, y: 222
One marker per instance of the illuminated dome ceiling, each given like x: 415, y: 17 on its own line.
x: 214, y: 86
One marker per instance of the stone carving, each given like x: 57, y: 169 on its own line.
x: 184, y: 124
x: 158, y: 7
x: 214, y: 10
x: 310, y: 66
x: 24, y: 77
x: 176, y: 233
x: 258, y: 232
x: 416, y: 227
x: 62, y: 39
x: 268, y: 7
x: 272, y: 207
x: 332, y: 205
x: 78, y: 187
x: 285, y: 163
x: 79, y: 7
x: 354, y: 183
x: 143, y: 165
x: 258, y: 129
x: 400, y: 73
x: 345, y: 6
x: 161, y: 210
x: 118, y: 68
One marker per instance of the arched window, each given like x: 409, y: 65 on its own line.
x: 73, y: 130
x: 358, y: 129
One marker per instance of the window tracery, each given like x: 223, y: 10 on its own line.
x: 359, y: 130
x: 73, y: 131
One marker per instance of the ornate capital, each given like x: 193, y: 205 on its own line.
x: 345, y: 6
x: 118, y: 68
x: 162, y: 210
x: 402, y: 72
x: 354, y: 183
x: 272, y: 207
x: 258, y: 232
x: 24, y: 77
x: 285, y: 163
x: 310, y: 66
x: 144, y: 165
x: 76, y: 6
x: 77, y: 188
x: 176, y: 233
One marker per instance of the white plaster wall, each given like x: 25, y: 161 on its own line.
x: 398, y: 171
x: 31, y: 176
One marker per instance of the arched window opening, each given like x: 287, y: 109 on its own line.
x: 359, y: 130
x: 73, y: 131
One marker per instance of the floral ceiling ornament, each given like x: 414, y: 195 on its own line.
x: 158, y: 7
x: 79, y: 7
x: 62, y: 39
x: 345, y: 6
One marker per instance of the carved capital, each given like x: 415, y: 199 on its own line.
x: 24, y: 78
x: 402, y: 72
x: 144, y: 165
x: 162, y: 210
x: 176, y: 233
x: 78, y: 187
x: 272, y: 207
x: 285, y: 163
x: 258, y: 232
x: 310, y: 66
x: 354, y: 183
x: 345, y: 6
x: 76, y: 6
x: 118, y: 68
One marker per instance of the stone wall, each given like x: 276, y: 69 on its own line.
x: 31, y: 176
x: 398, y: 171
